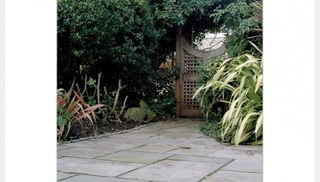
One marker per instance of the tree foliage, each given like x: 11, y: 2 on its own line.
x: 242, y: 21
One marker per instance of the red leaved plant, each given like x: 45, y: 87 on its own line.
x: 73, y: 108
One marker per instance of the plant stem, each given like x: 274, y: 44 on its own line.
x: 123, y: 106
x: 98, y: 87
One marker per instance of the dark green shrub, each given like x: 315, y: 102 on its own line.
x: 163, y: 102
x: 163, y: 105
x: 116, y: 37
x: 212, y: 128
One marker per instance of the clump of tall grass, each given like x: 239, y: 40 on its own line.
x: 237, y: 82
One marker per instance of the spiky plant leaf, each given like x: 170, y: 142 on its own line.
x: 237, y: 82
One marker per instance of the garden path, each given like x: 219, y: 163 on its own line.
x: 171, y: 151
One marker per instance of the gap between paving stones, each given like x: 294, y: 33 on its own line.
x: 84, y: 174
x: 169, y: 171
x: 96, y: 167
x: 100, y: 155
x: 105, y: 179
x: 180, y: 157
x: 215, y: 171
x: 69, y: 175
x: 143, y: 166
x: 249, y: 172
x: 118, y: 151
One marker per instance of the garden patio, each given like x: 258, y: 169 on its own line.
x: 127, y: 69
x: 169, y: 151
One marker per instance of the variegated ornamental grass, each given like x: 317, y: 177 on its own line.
x: 72, y: 108
x: 241, y: 77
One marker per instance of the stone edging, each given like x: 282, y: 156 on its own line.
x: 108, y: 134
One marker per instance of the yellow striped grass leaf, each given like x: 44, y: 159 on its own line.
x: 246, y: 121
x: 258, y: 83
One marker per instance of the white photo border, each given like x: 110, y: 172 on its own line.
x: 317, y: 90
x: 30, y: 90
x: 2, y: 97
x: 289, y: 91
x: 276, y: 161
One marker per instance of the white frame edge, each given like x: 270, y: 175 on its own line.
x: 2, y: 97
x: 317, y: 90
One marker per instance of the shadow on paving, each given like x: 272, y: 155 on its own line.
x: 159, y: 152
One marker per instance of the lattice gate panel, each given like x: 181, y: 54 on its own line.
x: 191, y: 63
x: 189, y: 89
x: 189, y: 59
x: 190, y: 82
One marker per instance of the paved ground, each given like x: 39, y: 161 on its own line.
x: 159, y: 152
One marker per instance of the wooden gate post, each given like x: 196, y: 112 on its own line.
x: 177, y: 62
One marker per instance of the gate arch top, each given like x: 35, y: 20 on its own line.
x: 189, y: 58
x: 199, y: 53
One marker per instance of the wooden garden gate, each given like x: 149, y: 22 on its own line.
x: 189, y: 59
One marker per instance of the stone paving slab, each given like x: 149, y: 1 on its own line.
x: 245, y: 166
x: 239, y: 153
x: 83, y: 152
x: 174, y: 171
x: 62, y: 147
x: 105, y: 144
x: 198, y: 151
x: 86, y: 178
x: 247, y: 147
x: 233, y: 176
x: 179, y: 142
x: 177, y: 136
x: 204, y: 142
x: 61, y: 175
x: 95, y: 167
x: 114, y: 139
x: 132, y: 136
x: 183, y: 130
x: 135, y: 157
x: 160, y: 126
x: 155, y: 148
x: 200, y: 159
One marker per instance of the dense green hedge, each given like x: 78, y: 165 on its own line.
x: 116, y: 37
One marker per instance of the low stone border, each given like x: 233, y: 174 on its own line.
x: 108, y: 134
